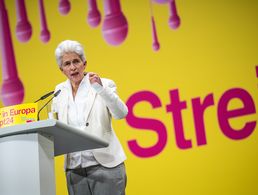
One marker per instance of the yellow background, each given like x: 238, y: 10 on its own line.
x: 215, y: 49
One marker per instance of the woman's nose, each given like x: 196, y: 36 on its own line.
x: 72, y: 66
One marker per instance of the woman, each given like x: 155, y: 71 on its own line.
x: 89, y: 102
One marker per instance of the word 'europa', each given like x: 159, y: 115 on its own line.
x: 26, y: 111
x: 7, y: 117
x: 199, y: 106
x: 14, y: 112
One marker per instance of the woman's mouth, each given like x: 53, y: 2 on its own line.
x: 74, y: 74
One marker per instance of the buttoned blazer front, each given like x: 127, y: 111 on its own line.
x: 100, y: 107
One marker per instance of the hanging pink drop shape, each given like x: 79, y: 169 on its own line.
x: 162, y: 1
x: 94, y: 16
x: 115, y: 26
x: 12, y: 91
x: 174, y: 20
x: 44, y: 34
x: 155, y: 44
x: 23, y: 26
x: 64, y: 7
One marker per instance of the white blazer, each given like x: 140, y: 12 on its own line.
x: 101, y: 107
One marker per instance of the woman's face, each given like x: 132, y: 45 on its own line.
x: 73, y: 67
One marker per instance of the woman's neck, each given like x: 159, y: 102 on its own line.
x: 75, y: 87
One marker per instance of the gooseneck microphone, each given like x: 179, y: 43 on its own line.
x: 55, y: 95
x: 45, y: 96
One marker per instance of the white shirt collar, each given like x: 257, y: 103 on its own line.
x: 85, y: 81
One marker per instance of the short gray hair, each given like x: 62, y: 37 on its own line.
x: 69, y: 46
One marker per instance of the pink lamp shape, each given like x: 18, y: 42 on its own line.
x: 64, y: 7
x: 115, y: 26
x: 94, y: 16
x: 174, y: 20
x: 23, y: 26
x: 12, y: 91
x: 44, y: 34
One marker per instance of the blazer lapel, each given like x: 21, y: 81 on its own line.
x: 63, y: 107
x: 90, y: 100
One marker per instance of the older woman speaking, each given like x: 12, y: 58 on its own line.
x: 89, y: 102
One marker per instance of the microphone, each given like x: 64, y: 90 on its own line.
x: 115, y: 26
x: 55, y: 95
x: 174, y: 19
x: 93, y: 14
x: 23, y: 26
x: 64, y: 6
x: 12, y: 90
x: 155, y: 44
x: 44, y: 34
x: 44, y: 96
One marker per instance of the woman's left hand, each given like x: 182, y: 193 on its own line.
x: 94, y: 78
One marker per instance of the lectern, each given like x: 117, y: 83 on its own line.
x: 27, y: 154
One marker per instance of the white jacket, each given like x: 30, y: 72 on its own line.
x: 100, y: 109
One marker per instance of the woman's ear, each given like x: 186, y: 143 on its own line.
x: 61, y: 69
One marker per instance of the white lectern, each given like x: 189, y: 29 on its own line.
x: 27, y: 155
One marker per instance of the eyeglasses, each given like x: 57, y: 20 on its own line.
x: 75, y: 62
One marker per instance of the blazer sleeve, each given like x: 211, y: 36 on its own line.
x: 116, y: 106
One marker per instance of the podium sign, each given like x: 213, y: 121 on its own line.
x: 18, y: 114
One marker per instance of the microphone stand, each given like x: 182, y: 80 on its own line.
x: 44, y: 106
